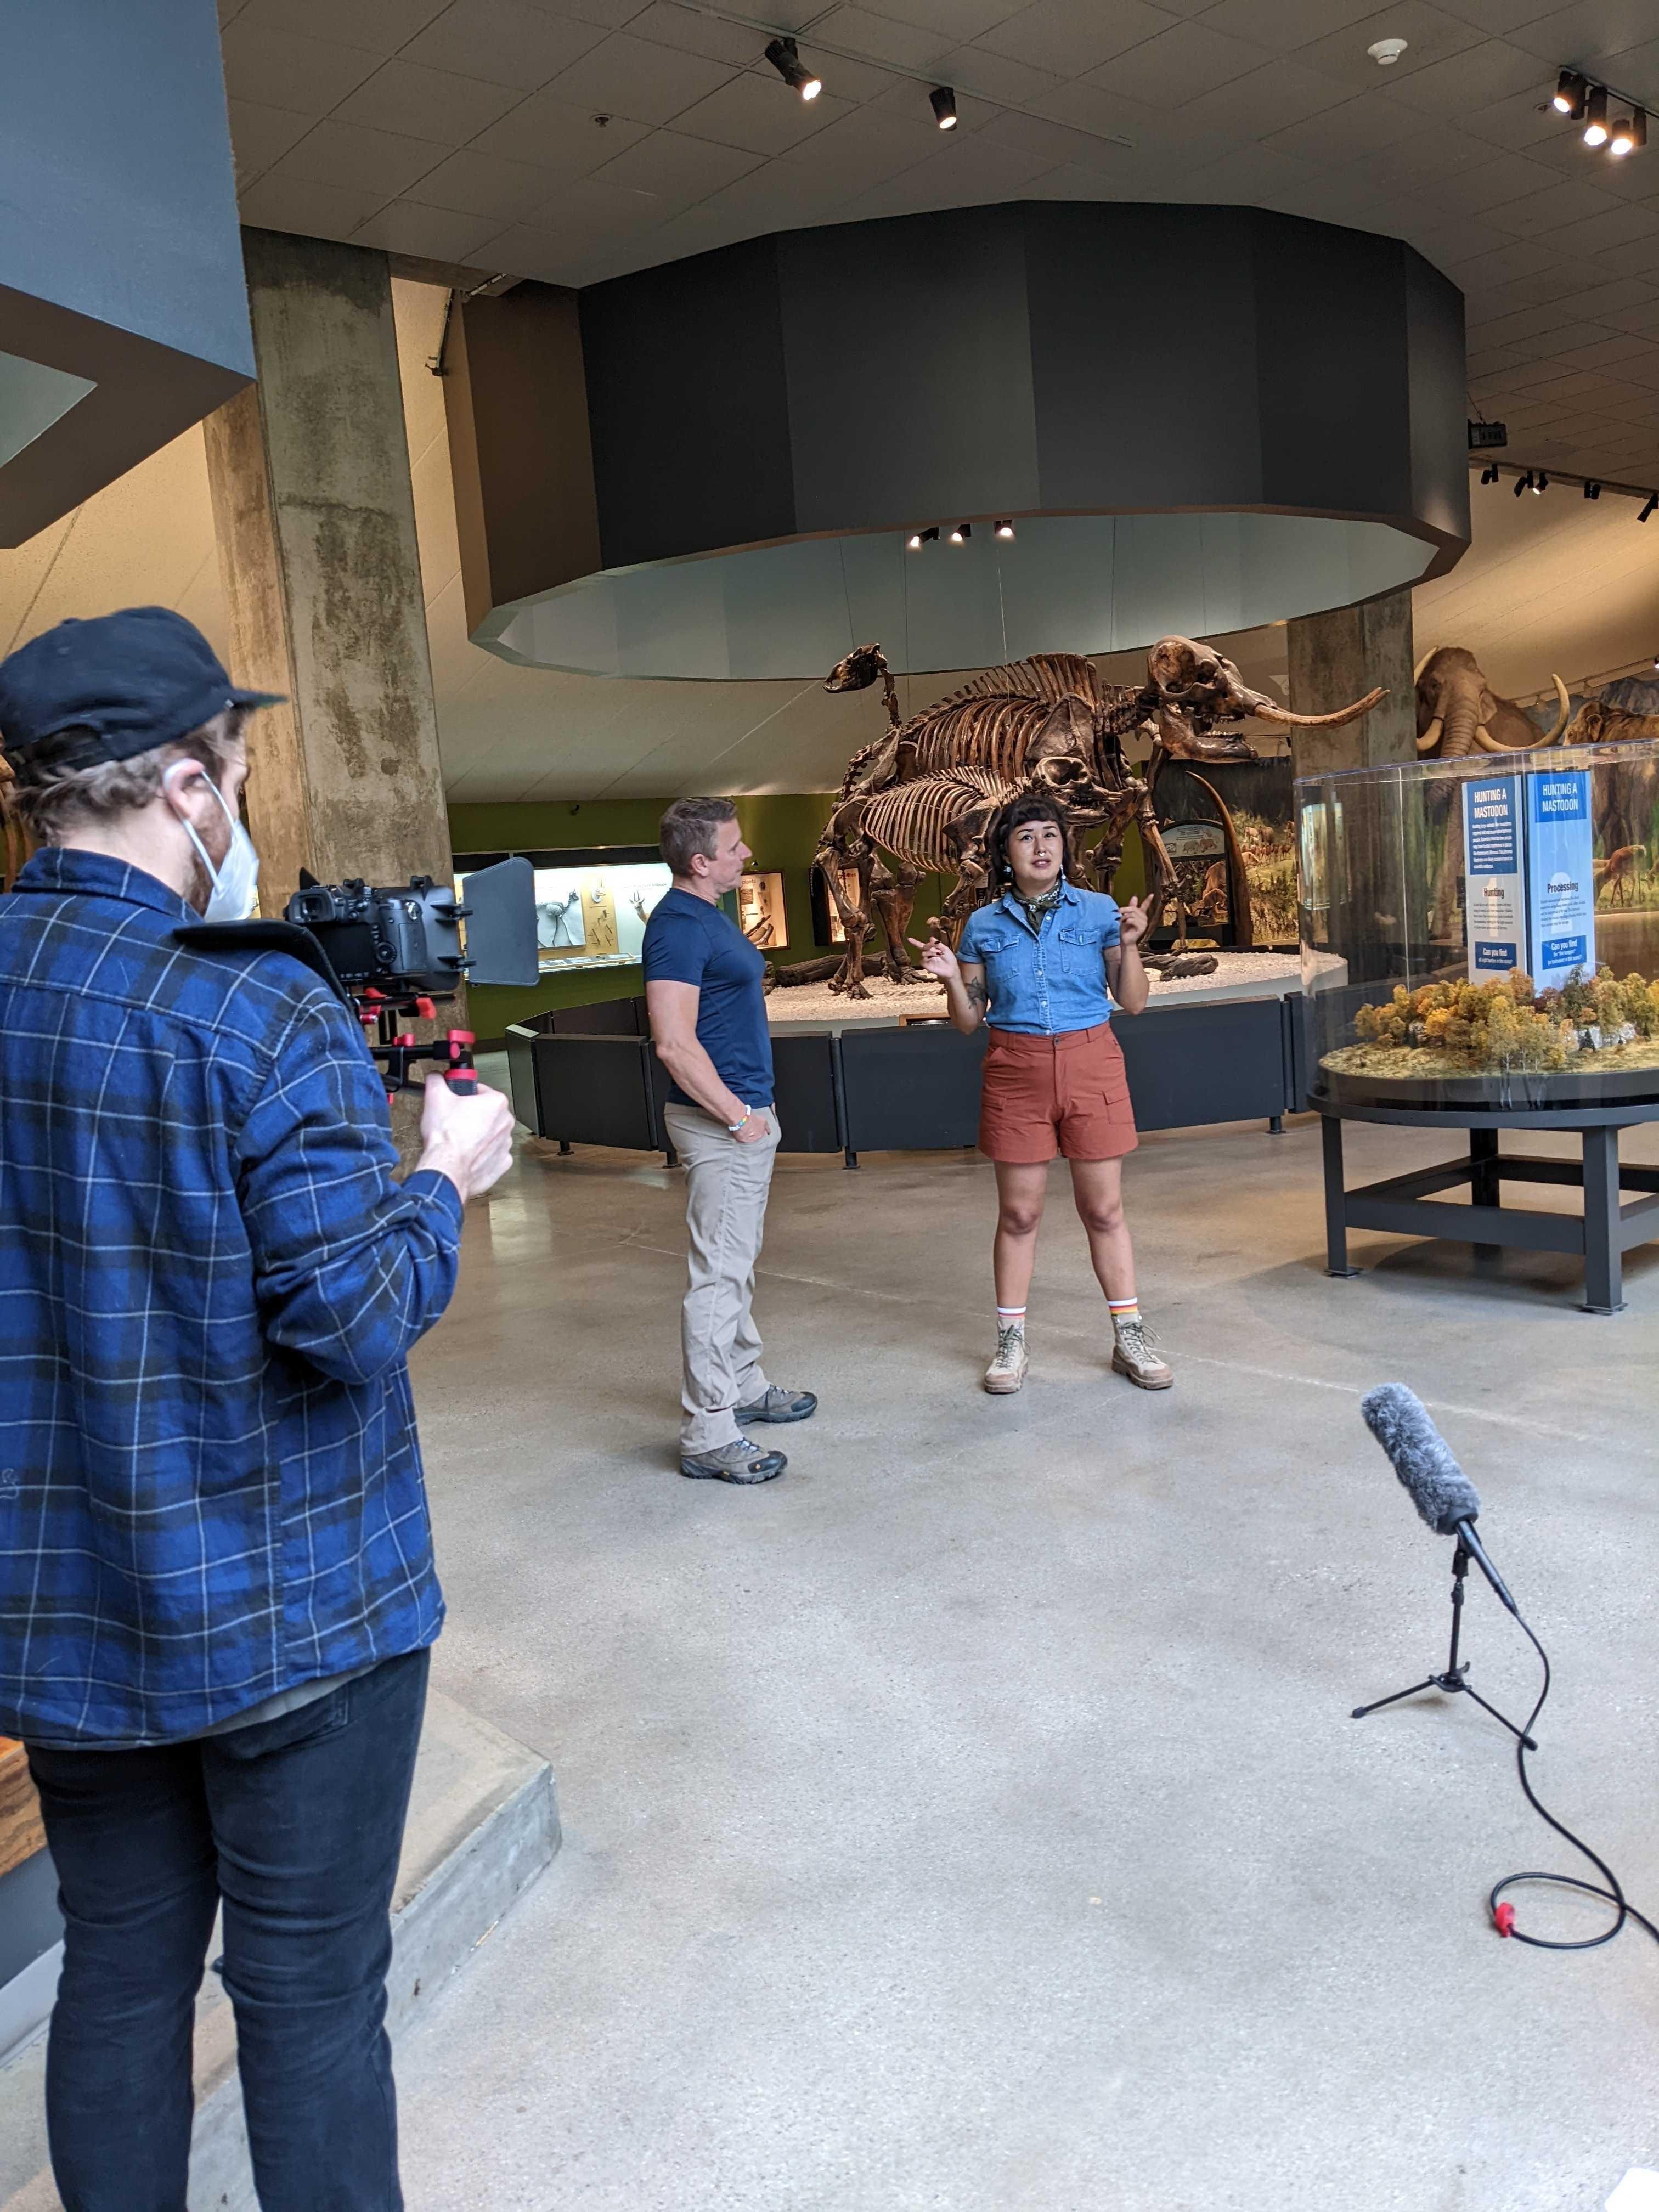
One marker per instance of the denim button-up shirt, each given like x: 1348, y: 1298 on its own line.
x: 1048, y: 982
x: 211, y: 1489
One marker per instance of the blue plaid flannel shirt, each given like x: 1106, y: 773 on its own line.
x: 211, y: 1489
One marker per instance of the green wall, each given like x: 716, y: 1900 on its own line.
x: 782, y: 829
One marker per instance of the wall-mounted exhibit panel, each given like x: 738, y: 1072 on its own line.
x: 591, y: 905
x: 975, y: 434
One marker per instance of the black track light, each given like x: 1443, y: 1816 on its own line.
x: 1489, y: 474
x: 962, y: 531
x: 1523, y: 484
x: 1630, y: 135
x: 1004, y: 529
x: 918, y: 538
x: 1595, y: 116
x: 1540, y: 484
x: 1653, y: 502
x: 1570, y: 91
x: 786, y: 60
x: 942, y: 101
x: 1592, y: 489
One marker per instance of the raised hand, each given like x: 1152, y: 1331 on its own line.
x: 1132, y: 921
x: 938, y: 958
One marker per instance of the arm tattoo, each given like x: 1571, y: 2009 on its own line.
x: 978, y: 997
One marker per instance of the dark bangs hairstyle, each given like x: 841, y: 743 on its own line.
x: 1030, y: 806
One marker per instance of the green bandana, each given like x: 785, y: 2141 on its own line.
x: 1036, y: 908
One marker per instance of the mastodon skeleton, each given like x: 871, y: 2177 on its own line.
x: 1047, y: 723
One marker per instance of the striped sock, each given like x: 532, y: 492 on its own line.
x: 1011, y: 1317
x: 1122, y: 1310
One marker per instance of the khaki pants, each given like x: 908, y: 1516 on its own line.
x: 726, y: 1187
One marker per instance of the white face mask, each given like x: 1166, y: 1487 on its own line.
x: 237, y: 876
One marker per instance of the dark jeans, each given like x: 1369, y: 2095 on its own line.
x: 296, y: 1826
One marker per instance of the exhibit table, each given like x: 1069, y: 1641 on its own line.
x: 1400, y: 1204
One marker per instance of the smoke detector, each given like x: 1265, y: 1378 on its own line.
x: 1387, y: 52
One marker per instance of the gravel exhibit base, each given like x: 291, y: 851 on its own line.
x: 817, y: 1004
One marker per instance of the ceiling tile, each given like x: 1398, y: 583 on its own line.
x: 1497, y: 16
x: 1632, y: 260
x: 260, y: 136
x: 1477, y: 77
x: 1346, y: 131
x: 1284, y: 25
x: 313, y: 209
x: 1268, y: 99
x: 1252, y: 177
x: 646, y: 83
x: 478, y: 183
x: 1073, y: 36
x: 667, y: 25
x: 1597, y: 233
x: 1430, y: 36
x: 877, y: 37
x: 1566, y: 202
x: 607, y: 14
x: 426, y: 103
x: 676, y: 169
x: 997, y: 76
x: 1590, y: 32
x: 1179, y: 64
x: 435, y: 234
x: 503, y: 41
x: 952, y: 19
x: 556, y: 136
x: 856, y: 152
x: 284, y: 70
x: 1055, y: 143
x: 380, y: 27
x: 1488, y: 185
x: 351, y: 156
x: 760, y: 114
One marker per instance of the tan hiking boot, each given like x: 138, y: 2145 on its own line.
x: 1007, y: 1370
x: 1133, y: 1355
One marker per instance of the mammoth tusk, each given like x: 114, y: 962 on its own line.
x: 1565, y: 716
x: 1265, y: 710
x: 1488, y: 744
x: 1430, y: 737
x: 1416, y: 672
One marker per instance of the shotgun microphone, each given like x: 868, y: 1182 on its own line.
x: 1431, y: 1477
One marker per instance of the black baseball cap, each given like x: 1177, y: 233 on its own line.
x: 129, y: 681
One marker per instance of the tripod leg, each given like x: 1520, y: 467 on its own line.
x: 1430, y: 1682
x: 1497, y: 1716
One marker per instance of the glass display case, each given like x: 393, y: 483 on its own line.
x: 1482, y: 931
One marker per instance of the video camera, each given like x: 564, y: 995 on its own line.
x: 395, y: 949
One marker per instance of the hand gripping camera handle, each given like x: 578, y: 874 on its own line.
x: 461, y: 1076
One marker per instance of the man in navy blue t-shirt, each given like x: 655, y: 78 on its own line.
x: 705, y: 990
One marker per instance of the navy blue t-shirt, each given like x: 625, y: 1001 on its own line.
x: 687, y: 940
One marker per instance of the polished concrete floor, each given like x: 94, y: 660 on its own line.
x: 973, y: 1818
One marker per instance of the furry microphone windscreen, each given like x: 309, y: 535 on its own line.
x: 1438, y: 1486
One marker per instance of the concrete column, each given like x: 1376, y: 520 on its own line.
x: 1337, y: 657
x: 315, y: 520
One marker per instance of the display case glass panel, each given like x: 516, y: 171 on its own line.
x: 591, y: 913
x: 761, y: 910
x: 1483, y: 932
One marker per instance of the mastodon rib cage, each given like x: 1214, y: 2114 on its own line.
x: 990, y: 722
x: 912, y: 819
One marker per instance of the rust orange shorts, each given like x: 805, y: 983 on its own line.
x: 1044, y: 1095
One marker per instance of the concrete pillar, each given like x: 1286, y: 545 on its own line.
x: 315, y: 520
x: 1337, y: 657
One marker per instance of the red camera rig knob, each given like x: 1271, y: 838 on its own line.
x: 463, y: 1077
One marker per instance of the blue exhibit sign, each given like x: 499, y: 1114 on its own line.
x: 1560, y: 876
x: 1494, y: 892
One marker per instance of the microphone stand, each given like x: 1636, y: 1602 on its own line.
x: 1457, y: 1668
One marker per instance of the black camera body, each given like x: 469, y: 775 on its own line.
x: 401, y: 941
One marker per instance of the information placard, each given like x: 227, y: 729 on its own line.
x: 1494, y: 894
x: 1560, y: 876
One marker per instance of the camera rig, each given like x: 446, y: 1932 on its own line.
x: 393, y: 953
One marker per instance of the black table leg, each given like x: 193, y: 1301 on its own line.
x: 1604, y: 1288
x: 1484, y: 1188
x: 1336, y: 1219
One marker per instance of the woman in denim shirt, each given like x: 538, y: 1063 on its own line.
x: 1039, y: 961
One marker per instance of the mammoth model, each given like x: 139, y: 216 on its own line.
x: 925, y: 793
x: 1458, y: 713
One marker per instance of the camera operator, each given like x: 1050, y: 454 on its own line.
x: 217, y: 1586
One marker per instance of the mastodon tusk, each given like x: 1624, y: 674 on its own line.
x: 1488, y: 743
x: 1416, y: 672
x: 1565, y: 715
x: 1430, y: 737
x: 1268, y: 710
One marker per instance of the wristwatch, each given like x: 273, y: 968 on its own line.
x: 733, y: 1128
